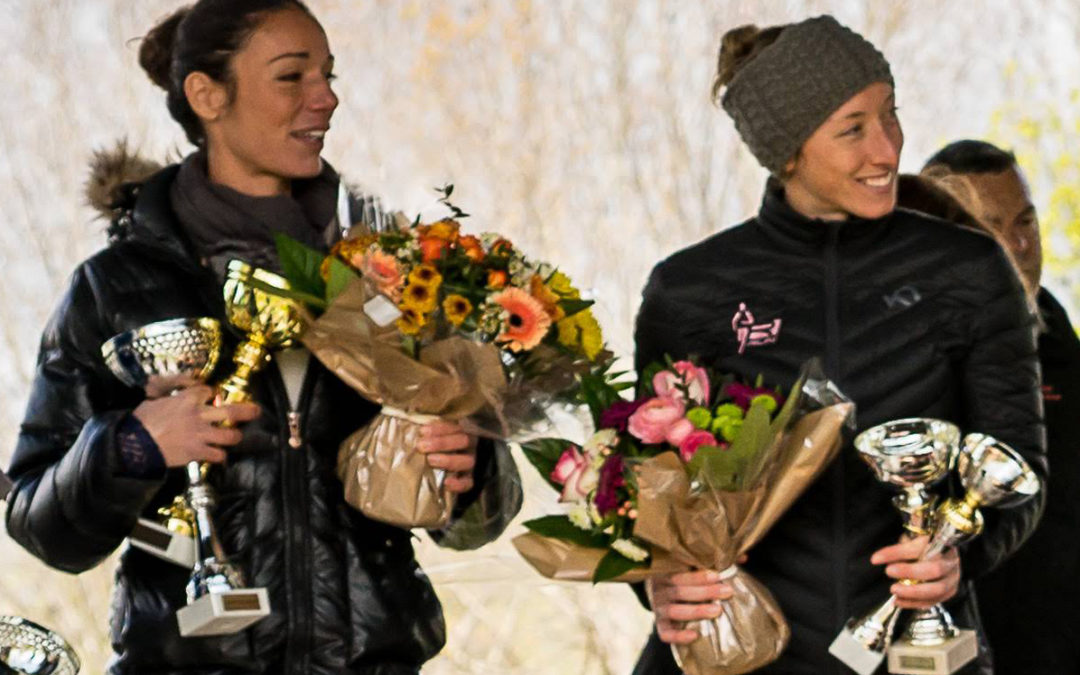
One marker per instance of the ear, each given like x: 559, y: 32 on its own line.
x: 789, y: 167
x: 206, y: 96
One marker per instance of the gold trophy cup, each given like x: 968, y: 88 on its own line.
x: 158, y: 354
x: 217, y: 600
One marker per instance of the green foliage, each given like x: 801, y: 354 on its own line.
x: 300, y: 265
x: 614, y: 564
x: 560, y: 527
x: 340, y: 277
x: 733, y: 468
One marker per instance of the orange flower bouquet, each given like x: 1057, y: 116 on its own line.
x: 430, y: 322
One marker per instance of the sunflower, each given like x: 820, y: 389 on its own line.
x: 582, y: 332
x: 457, y: 308
x: 425, y: 274
x: 420, y: 297
x: 411, y: 321
x: 525, y: 323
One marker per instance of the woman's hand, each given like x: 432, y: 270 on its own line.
x: 449, y: 448
x: 186, y: 427
x: 939, y: 578
x: 686, y: 596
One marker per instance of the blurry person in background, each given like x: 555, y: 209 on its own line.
x: 1031, y: 603
x: 251, y: 84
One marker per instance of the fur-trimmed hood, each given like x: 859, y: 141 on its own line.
x: 112, y: 172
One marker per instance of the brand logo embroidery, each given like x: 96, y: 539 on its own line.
x: 905, y: 296
x: 1049, y: 395
x: 749, y: 333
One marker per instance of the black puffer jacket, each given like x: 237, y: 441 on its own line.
x: 913, y: 317
x: 346, y: 593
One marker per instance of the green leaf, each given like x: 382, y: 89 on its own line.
x: 560, y: 527
x: 614, y: 564
x: 572, y: 306
x: 340, y: 277
x: 544, y: 453
x: 300, y: 265
x: 313, y: 302
x: 716, y: 467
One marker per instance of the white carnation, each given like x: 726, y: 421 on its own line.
x: 579, y: 517
x: 628, y: 549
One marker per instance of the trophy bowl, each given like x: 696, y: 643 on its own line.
x: 994, y: 472
x: 913, y: 451
x: 26, y: 647
x: 169, y: 349
x: 256, y: 311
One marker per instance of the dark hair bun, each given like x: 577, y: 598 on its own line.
x: 155, y: 53
x: 737, y: 47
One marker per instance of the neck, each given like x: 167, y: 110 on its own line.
x: 225, y: 169
x: 807, y: 205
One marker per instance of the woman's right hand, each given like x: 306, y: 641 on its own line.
x: 187, y: 428
x: 682, y: 597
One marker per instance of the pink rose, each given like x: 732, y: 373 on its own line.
x: 574, y: 472
x: 384, y: 271
x: 679, y: 431
x: 696, y: 381
x: 693, y: 441
x: 650, y: 422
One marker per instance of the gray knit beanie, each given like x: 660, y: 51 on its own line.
x: 785, y: 92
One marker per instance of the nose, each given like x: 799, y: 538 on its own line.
x: 884, y: 145
x: 323, y: 98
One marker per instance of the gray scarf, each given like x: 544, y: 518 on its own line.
x: 224, y: 224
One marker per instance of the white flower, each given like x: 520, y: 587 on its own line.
x: 594, y: 447
x: 579, y: 517
x: 628, y: 549
x: 594, y: 513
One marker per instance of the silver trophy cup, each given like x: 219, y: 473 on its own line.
x: 993, y: 474
x: 912, y: 455
x: 27, y: 648
x: 218, y: 603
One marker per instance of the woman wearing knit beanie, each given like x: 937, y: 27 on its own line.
x: 910, y: 321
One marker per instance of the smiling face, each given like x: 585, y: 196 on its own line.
x: 848, y: 166
x: 272, y: 129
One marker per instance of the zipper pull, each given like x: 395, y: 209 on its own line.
x: 296, y: 440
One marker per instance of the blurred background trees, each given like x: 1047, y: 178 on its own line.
x: 583, y: 130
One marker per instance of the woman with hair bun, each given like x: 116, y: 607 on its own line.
x: 250, y: 82
x: 912, y: 318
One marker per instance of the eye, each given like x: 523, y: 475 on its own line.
x: 289, y: 77
x: 331, y: 77
x: 853, y: 130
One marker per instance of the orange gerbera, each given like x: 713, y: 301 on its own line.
x: 432, y: 248
x: 525, y: 322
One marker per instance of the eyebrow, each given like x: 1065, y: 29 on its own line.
x: 290, y: 55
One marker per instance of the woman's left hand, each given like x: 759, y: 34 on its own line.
x: 448, y: 447
x: 939, y: 578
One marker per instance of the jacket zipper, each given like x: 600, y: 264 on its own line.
x: 832, y: 369
x: 297, y: 523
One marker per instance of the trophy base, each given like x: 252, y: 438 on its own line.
x: 854, y: 654
x: 223, y: 613
x: 160, y: 541
x: 943, y: 659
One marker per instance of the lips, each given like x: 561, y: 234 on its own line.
x: 879, y: 183
x: 311, y: 137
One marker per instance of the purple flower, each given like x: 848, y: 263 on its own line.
x: 742, y: 394
x: 611, y: 479
x: 619, y: 413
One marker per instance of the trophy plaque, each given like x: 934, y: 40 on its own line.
x: 29, y: 649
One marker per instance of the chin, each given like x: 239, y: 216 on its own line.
x: 873, y: 211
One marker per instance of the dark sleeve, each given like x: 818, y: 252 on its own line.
x: 1001, y: 387
x: 71, y: 505
x: 483, y: 513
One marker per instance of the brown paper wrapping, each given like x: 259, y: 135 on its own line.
x: 559, y: 559
x: 383, y: 475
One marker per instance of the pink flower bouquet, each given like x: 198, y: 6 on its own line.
x: 690, y: 475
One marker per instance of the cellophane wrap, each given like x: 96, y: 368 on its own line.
x: 708, y: 528
x: 383, y: 474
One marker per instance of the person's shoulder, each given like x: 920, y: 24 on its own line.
x: 715, y: 251
x: 945, y: 234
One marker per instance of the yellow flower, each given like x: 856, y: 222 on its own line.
x: 420, y: 297
x: 426, y: 274
x: 560, y: 283
x: 582, y: 332
x: 457, y: 308
x: 547, y: 298
x: 410, y: 321
x: 446, y: 229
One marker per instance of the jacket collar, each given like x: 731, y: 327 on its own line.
x: 155, y: 225
x: 784, y: 224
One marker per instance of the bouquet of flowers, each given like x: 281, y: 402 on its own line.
x: 430, y: 322
x: 689, y: 475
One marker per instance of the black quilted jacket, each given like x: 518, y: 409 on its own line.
x: 912, y: 317
x: 346, y: 593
